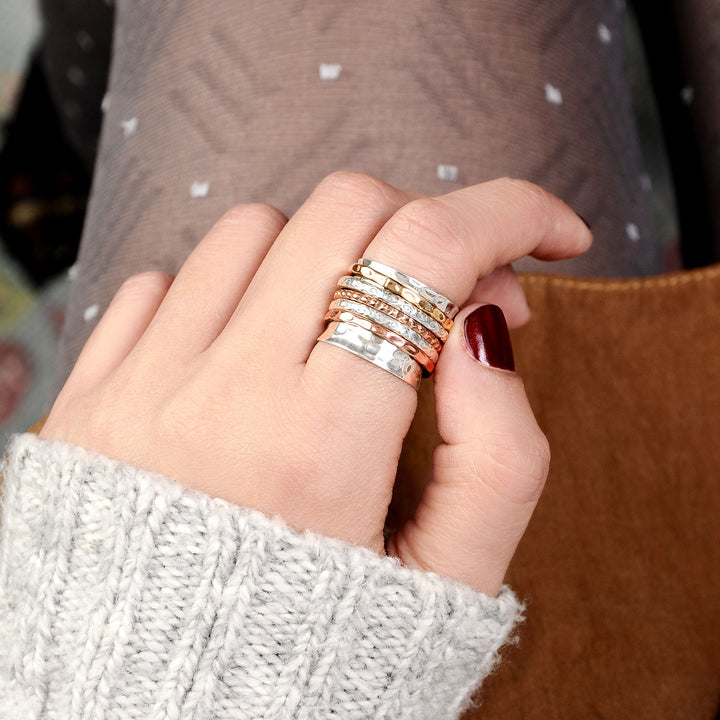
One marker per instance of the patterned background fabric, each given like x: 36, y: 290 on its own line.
x: 33, y: 303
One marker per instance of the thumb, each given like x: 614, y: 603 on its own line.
x: 489, y: 470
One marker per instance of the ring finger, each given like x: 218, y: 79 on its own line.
x: 214, y: 277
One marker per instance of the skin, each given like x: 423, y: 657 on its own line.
x: 214, y: 377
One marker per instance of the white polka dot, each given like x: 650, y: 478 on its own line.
x: 632, y: 232
x: 553, y: 94
x: 329, y: 71
x: 85, y: 41
x: 129, y: 127
x: 604, y: 33
x: 199, y: 189
x: 90, y: 313
x: 105, y: 104
x: 646, y: 182
x: 687, y: 94
x: 447, y: 172
x: 76, y: 75
x: 73, y: 272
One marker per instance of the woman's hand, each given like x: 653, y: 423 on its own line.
x: 215, y: 378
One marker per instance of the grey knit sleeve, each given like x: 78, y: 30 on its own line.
x: 124, y: 595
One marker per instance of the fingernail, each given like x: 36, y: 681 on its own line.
x: 587, y: 224
x: 487, y: 338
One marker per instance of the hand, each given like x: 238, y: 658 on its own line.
x: 215, y: 378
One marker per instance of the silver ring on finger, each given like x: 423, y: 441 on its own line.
x: 393, y: 320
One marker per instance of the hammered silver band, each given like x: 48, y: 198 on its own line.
x: 374, y: 349
x: 432, y: 296
x: 390, y: 323
x: 369, y: 288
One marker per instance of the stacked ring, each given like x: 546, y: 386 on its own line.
x: 373, y: 291
x: 379, y: 352
x: 406, y: 293
x: 386, y: 321
x: 392, y: 312
x: 427, y: 363
x: 390, y: 319
x: 429, y: 294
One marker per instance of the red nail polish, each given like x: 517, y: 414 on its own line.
x: 487, y: 338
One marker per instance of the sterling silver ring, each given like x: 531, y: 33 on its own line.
x: 374, y: 349
x: 391, y: 320
x: 432, y: 296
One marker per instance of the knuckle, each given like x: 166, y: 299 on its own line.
x: 355, y: 189
x: 149, y: 283
x: 260, y: 215
x: 523, y: 189
x: 435, y: 231
x: 529, y: 197
x: 513, y: 466
x: 536, y: 197
x: 431, y: 216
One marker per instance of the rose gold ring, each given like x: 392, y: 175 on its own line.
x: 398, y: 315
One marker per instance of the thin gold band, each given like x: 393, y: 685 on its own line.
x: 404, y: 292
x: 430, y: 294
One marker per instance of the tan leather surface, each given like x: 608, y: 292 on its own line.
x: 620, y: 567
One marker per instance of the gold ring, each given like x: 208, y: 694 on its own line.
x: 404, y: 292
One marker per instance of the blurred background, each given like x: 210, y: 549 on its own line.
x: 43, y: 194
x: 43, y: 190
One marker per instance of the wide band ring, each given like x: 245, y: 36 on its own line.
x: 447, y: 306
x: 370, y: 347
x: 425, y: 359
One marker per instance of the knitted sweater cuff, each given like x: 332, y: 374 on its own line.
x: 125, y: 595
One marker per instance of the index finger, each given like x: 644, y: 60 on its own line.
x: 451, y: 241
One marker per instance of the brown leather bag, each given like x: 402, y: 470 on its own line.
x: 620, y: 567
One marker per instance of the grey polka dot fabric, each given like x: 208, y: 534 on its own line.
x: 211, y: 104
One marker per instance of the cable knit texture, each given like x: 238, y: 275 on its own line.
x: 124, y: 595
